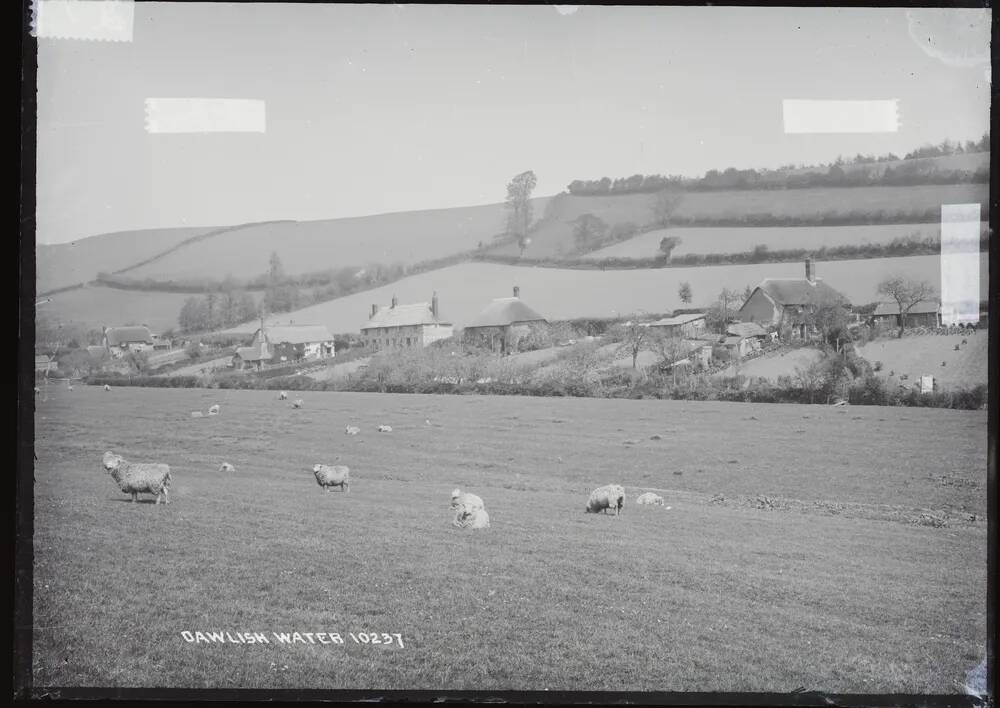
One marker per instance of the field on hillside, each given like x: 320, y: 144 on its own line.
x: 922, y: 355
x: 772, y: 366
x: 94, y: 307
x: 740, y: 239
x: 305, y: 246
x: 555, y: 235
x: 64, y: 264
x: 834, y: 585
x: 464, y: 290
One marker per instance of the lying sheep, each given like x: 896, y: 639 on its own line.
x: 214, y: 410
x: 297, y: 403
x: 471, y: 519
x: 139, y: 477
x: 352, y: 430
x: 107, y: 387
x: 283, y: 396
x: 610, y: 496
x: 385, y: 428
x: 650, y: 498
x: 333, y: 476
x: 470, y: 502
x: 226, y: 467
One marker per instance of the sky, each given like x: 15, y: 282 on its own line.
x: 381, y: 108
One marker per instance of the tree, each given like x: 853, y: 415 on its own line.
x: 669, y: 349
x: 668, y: 244
x: 665, y: 204
x: 275, y: 271
x: 520, y: 208
x: 720, y: 314
x: 588, y: 231
x: 829, y: 316
x: 811, y: 377
x: 194, y: 315
x: 906, y: 292
x: 633, y: 337
x: 684, y: 292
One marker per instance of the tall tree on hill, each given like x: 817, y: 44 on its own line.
x: 588, y: 231
x: 906, y: 293
x: 665, y: 204
x: 518, y: 203
x: 668, y: 244
x: 684, y: 292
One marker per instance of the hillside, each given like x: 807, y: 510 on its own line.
x: 921, y: 355
x: 554, y: 235
x: 93, y: 307
x: 464, y: 290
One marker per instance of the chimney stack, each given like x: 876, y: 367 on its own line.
x: 517, y: 291
x: 374, y: 310
x: 394, y: 301
x: 810, y: 275
x: 434, y: 305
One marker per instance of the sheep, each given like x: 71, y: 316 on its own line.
x: 139, y: 477
x: 351, y: 430
x: 385, y: 428
x: 226, y: 467
x: 650, y: 498
x: 37, y: 390
x: 471, y: 519
x: 197, y: 414
x: 283, y: 396
x: 463, y: 500
x: 610, y: 496
x: 107, y: 387
x: 214, y: 410
x: 69, y: 387
x: 297, y: 403
x: 333, y: 476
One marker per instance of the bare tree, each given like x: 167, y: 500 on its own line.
x: 668, y: 244
x: 519, y: 203
x: 633, y: 337
x: 665, y: 205
x: 721, y: 312
x: 684, y: 292
x: 907, y: 293
x: 811, y: 377
x: 669, y: 349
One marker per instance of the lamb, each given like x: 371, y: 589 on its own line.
x: 283, y: 396
x: 352, y: 430
x: 107, y: 387
x: 471, y: 519
x: 610, y: 496
x: 333, y: 476
x: 385, y: 428
x: 297, y: 403
x: 650, y: 498
x: 139, y: 477
x: 214, y: 410
x: 463, y: 500
x: 226, y: 467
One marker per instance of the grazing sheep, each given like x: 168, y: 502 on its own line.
x: 197, y: 414
x: 650, y: 498
x: 297, y: 403
x: 333, y: 476
x: 226, y: 467
x: 283, y: 396
x: 69, y: 387
x: 385, y: 428
x: 214, y: 410
x: 139, y: 477
x: 964, y: 340
x: 352, y: 430
x: 470, y: 502
x: 107, y: 387
x: 471, y: 519
x: 610, y: 496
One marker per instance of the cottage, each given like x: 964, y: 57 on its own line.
x: 743, y: 338
x: 276, y: 344
x: 688, y: 325
x: 414, y: 325
x: 503, y: 323
x: 121, y: 340
x: 789, y: 302
x: 926, y: 313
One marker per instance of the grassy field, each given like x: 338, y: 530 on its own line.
x: 555, y: 235
x: 834, y: 585
x: 739, y: 239
x: 922, y: 355
x: 771, y: 366
x: 94, y: 307
x: 464, y: 290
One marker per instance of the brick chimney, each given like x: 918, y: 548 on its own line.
x: 517, y: 291
x: 810, y: 273
x: 434, y: 305
x: 374, y: 310
x: 395, y: 301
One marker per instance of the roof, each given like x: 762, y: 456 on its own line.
x: 678, y: 320
x: 732, y: 341
x: 297, y: 334
x: 798, y: 291
x: 128, y: 335
x: 403, y: 316
x: 921, y: 308
x: 746, y: 329
x: 504, y: 311
x: 251, y: 353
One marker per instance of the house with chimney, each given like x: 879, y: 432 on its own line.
x: 789, y: 302
x: 503, y: 324
x: 404, y: 326
x: 278, y: 344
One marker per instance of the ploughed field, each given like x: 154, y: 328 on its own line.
x: 833, y: 549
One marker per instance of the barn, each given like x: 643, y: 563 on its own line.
x: 926, y: 313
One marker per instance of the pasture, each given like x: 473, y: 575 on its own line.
x: 914, y: 356
x: 799, y: 550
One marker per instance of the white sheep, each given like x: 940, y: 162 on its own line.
x: 69, y: 387
x: 470, y: 502
x: 37, y: 390
x: 471, y: 519
x: 649, y: 498
x: 385, y: 428
x: 333, y: 476
x: 226, y: 467
x: 297, y: 403
x: 197, y: 414
x: 214, y: 410
x: 352, y: 430
x: 107, y: 387
x: 139, y: 477
x: 283, y: 396
x: 610, y: 496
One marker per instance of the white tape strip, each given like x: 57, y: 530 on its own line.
x: 99, y: 20
x: 960, y: 263
x: 809, y: 116
x: 205, y: 115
